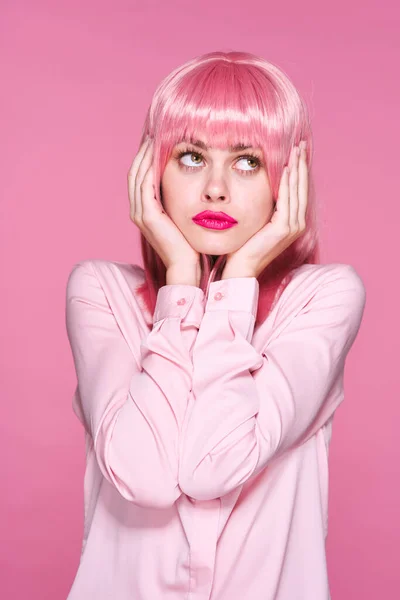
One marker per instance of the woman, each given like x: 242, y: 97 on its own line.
x: 208, y: 380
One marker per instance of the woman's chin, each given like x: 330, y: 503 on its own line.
x: 214, y: 247
x: 212, y: 250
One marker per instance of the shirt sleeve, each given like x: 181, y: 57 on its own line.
x: 133, y: 414
x: 250, y: 408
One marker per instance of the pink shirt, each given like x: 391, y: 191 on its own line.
x: 207, y: 438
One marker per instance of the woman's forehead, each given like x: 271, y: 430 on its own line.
x: 201, y: 143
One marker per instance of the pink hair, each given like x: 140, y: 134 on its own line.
x: 226, y: 98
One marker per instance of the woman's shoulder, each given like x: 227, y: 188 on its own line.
x: 110, y: 284
x: 324, y: 293
x: 333, y: 274
x: 107, y: 281
x: 110, y: 269
x: 328, y: 282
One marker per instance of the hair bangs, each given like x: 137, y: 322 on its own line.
x: 218, y: 104
x: 223, y: 104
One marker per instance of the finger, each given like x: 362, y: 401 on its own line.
x: 303, y: 190
x: 150, y: 204
x: 292, y: 157
x: 132, y: 174
x: 137, y: 159
x: 293, y: 193
x: 142, y: 170
x: 282, y: 204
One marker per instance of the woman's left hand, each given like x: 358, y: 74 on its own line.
x: 287, y: 223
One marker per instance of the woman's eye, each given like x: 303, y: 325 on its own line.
x: 192, y: 156
x: 192, y: 160
x: 246, y: 160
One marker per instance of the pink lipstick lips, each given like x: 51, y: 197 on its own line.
x: 214, y: 220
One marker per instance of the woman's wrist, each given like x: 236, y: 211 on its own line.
x: 183, y: 275
x: 231, y: 271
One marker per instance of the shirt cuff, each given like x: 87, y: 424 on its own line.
x: 235, y: 293
x: 183, y: 301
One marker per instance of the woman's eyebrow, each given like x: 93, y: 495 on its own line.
x: 236, y: 148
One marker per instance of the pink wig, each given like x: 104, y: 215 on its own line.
x: 227, y: 98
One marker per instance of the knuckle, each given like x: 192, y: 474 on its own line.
x: 135, y: 218
x: 285, y: 230
x: 147, y: 220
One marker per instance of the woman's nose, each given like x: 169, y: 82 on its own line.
x: 216, y: 190
x: 215, y: 196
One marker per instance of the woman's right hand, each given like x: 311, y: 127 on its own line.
x: 157, y: 227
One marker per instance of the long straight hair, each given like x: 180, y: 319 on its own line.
x: 227, y: 98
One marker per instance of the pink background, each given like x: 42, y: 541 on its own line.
x: 77, y: 78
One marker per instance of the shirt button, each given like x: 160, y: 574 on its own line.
x: 181, y: 301
x: 217, y: 296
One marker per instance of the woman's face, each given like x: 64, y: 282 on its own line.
x: 197, y: 178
